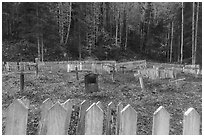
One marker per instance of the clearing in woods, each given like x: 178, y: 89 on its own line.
x: 60, y: 85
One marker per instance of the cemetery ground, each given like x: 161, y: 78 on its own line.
x: 60, y: 85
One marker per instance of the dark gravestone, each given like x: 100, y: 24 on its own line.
x: 21, y: 81
x: 91, y: 83
x: 18, y: 65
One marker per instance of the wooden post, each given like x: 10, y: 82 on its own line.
x: 191, y: 122
x: 123, y: 69
x: 21, y: 81
x: 81, y: 125
x: 119, y: 108
x: 68, y: 106
x: 161, y: 122
x: 18, y: 66
x: 94, y: 120
x: 56, y: 120
x: 36, y: 61
x: 113, y: 73
x: 16, y: 120
x: 76, y: 70
x: 110, y: 108
x: 46, y: 105
x: 141, y: 83
x: 128, y: 121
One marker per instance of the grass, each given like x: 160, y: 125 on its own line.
x: 60, y: 85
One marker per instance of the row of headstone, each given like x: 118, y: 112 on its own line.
x: 190, y: 69
x: 156, y: 73
x: 17, y: 66
x: 97, y: 68
x: 104, y: 66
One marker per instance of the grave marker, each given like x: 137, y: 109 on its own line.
x: 91, y: 83
x: 47, y: 104
x: 16, y: 121
x: 191, y: 122
x: 56, y: 120
x: 94, y: 120
x: 161, y: 122
x: 128, y: 121
x: 81, y: 123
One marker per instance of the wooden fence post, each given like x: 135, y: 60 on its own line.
x: 77, y: 74
x: 142, y: 83
x: 21, y: 81
x: 119, y: 108
x: 46, y: 105
x: 94, y: 120
x: 128, y: 121
x: 56, y: 120
x: 191, y: 122
x: 81, y: 123
x: 68, y: 106
x: 110, y: 107
x: 36, y: 66
x: 161, y: 122
x: 16, y: 120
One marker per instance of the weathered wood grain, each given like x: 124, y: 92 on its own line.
x: 161, y: 122
x: 47, y: 104
x: 81, y: 123
x: 94, y: 120
x: 56, y: 120
x: 16, y: 120
x: 128, y: 121
x: 110, y: 107
x: 191, y: 122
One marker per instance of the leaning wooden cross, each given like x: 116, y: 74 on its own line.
x: 140, y: 79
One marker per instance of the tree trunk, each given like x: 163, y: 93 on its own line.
x: 61, y: 22
x: 38, y: 41
x: 167, y: 43
x: 69, y: 23
x: 121, y: 28
x: 182, y: 18
x: 126, y: 35
x: 141, y: 36
x: 42, y: 44
x: 196, y: 30
x: 116, y: 31
x: 79, y: 45
x: 193, y: 35
x: 79, y: 37
x: 38, y: 36
x: 178, y: 52
x: 172, y: 35
x: 94, y: 24
x: 126, y: 29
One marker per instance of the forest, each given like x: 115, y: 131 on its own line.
x: 53, y: 31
